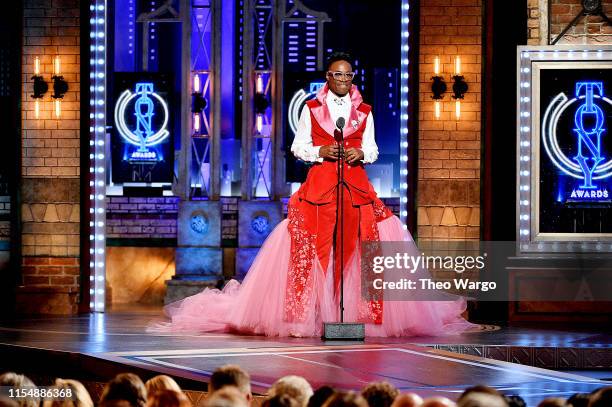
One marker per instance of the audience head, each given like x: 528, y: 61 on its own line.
x: 438, y: 402
x: 346, y: 399
x: 228, y: 396
x: 7, y: 402
x: 161, y: 382
x: 407, y: 400
x: 230, y: 387
x: 481, y: 396
x: 479, y: 389
x: 280, y: 400
x: 125, y: 387
x: 476, y: 399
x: 578, y: 400
x: 231, y: 375
x: 167, y: 398
x: 79, y: 395
x: 379, y: 394
x: 601, y: 398
x: 294, y: 386
x: 552, y: 402
x: 114, y: 403
x: 320, y: 395
x: 11, y: 379
x: 515, y: 401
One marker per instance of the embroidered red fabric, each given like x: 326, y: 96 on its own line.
x: 299, y: 280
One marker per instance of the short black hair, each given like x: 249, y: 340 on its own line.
x: 339, y: 56
x: 124, y: 386
x: 579, y: 400
x: 515, y: 400
x: 601, y: 397
x: 320, y: 396
x: 230, y: 375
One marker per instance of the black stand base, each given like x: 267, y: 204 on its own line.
x: 343, y: 331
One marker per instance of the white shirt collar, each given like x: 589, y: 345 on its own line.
x: 336, y: 100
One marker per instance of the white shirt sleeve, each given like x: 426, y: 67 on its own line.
x: 302, y: 146
x: 368, y: 144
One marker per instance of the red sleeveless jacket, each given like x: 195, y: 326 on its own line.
x: 320, y: 184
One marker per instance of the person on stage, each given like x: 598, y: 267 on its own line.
x: 293, y: 285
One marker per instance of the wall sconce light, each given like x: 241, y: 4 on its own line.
x: 260, y: 102
x: 198, y: 103
x: 459, y: 87
x: 438, y: 87
x: 60, y: 87
x: 40, y: 87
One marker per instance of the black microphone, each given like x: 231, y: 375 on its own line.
x: 338, y: 133
x: 340, y: 123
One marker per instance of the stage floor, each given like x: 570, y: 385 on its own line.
x: 105, y: 344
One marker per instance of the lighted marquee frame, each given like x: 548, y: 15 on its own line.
x: 97, y: 140
x: 404, y: 65
x: 97, y: 159
x: 531, y: 60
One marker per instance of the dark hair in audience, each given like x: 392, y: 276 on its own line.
x: 601, y: 397
x: 515, y: 400
x: 127, y: 387
x: 346, y: 399
x: 578, y: 400
x: 379, y: 394
x: 168, y: 398
x: 230, y: 375
x: 280, y: 400
x: 552, y: 402
x: 320, y: 395
x: 338, y: 56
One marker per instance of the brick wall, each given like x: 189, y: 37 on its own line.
x: 448, y: 197
x: 138, y: 218
x: 50, y: 156
x: 589, y: 30
x: 5, y: 224
x: 229, y: 222
x: 156, y: 217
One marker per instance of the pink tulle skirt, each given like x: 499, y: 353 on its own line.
x: 257, y: 305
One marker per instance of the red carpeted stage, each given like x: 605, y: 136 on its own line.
x: 95, y: 347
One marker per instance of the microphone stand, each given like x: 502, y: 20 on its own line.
x: 341, y: 330
x: 340, y: 218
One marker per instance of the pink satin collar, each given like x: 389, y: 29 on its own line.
x: 321, y: 113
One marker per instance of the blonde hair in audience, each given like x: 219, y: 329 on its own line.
x: 79, y: 396
x: 293, y: 386
x: 162, y: 382
x: 168, y: 398
x: 12, y: 379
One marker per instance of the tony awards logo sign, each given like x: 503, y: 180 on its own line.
x: 142, y: 120
x: 584, y: 158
